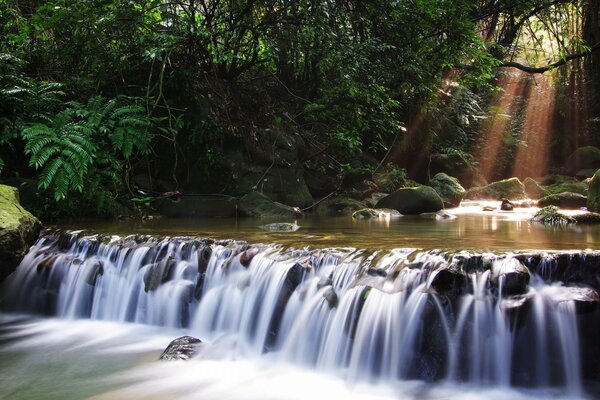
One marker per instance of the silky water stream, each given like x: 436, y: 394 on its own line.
x: 86, y: 316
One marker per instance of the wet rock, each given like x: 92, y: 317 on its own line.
x: 440, y: 215
x: 247, y: 256
x: 377, y: 272
x: 455, y: 164
x: 449, y: 189
x: 506, y: 205
x: 256, y: 204
x: 338, y: 206
x: 586, y: 299
x: 182, y: 348
x: 448, y: 281
x: 368, y: 213
x: 412, y: 201
x: 587, y: 218
x: 95, y: 271
x: 158, y: 273
x: 533, y: 189
x: 593, y: 200
x: 565, y: 200
x: 510, y: 276
x: 551, y: 216
x: 569, y: 186
x: 511, y: 189
x: 331, y: 297
x: 587, y: 157
x: 280, y: 227
x: 19, y: 229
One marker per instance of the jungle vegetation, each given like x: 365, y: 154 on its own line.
x: 93, y: 91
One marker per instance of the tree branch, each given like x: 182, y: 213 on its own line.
x: 541, y: 70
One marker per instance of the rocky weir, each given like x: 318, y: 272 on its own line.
x: 526, y: 319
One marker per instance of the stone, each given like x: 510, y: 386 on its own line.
x: 593, y: 200
x: 255, y: 204
x: 566, y: 200
x: 338, y: 206
x: 19, y: 229
x: 506, y: 205
x: 584, y: 174
x: 587, y: 218
x: 330, y: 297
x: 355, y: 177
x: 438, y: 216
x: 182, y: 348
x: 550, y: 215
x: 284, y: 185
x: 511, y: 189
x: 586, y: 157
x: 368, y: 213
x: 449, y: 189
x: 513, y: 276
x: 456, y: 165
x: 280, y: 227
x: 412, y: 201
x: 572, y: 186
x: 533, y: 189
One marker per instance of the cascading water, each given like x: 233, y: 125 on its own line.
x: 501, y: 320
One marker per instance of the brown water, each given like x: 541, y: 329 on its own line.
x: 472, y: 229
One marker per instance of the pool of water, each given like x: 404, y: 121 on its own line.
x: 472, y: 229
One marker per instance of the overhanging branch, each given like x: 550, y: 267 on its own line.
x: 541, y: 70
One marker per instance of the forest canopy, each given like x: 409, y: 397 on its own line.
x: 93, y: 93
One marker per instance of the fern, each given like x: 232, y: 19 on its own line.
x: 63, y: 152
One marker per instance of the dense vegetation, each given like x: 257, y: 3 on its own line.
x: 191, y: 94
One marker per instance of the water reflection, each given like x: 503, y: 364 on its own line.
x: 471, y: 229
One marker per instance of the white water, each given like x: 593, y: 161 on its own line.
x: 271, y: 331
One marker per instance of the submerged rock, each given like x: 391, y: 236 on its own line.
x: 449, y: 189
x: 18, y: 230
x: 280, y: 227
x: 182, y: 348
x: 412, y: 201
x: 566, y: 200
x: 367, y: 213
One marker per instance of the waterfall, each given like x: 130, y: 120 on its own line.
x: 485, y: 319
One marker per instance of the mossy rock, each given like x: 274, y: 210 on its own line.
x: 457, y: 165
x: 256, y: 204
x: 587, y: 157
x: 412, y: 201
x: 571, y: 186
x: 285, y: 185
x: 511, y: 189
x: 587, y: 218
x: 566, y: 200
x: 18, y: 230
x: 338, y: 206
x: 368, y: 213
x: 449, y: 189
x: 593, y: 203
x: 533, y: 189
x: 550, y: 215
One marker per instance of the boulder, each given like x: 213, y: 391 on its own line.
x: 182, y: 348
x: 256, y: 204
x: 449, y: 189
x: 506, y: 205
x: 355, y: 177
x: 566, y: 200
x: 455, y: 164
x: 338, y: 206
x: 18, y: 230
x: 511, y: 189
x: 533, y: 189
x: 414, y: 200
x: 285, y: 185
x: 587, y: 157
x: 587, y: 218
x: 593, y: 200
x: 572, y: 186
x: 551, y: 216
x: 367, y: 213
x: 512, y: 275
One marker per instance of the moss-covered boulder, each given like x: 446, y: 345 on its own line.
x: 18, y: 230
x: 511, y: 189
x: 593, y: 198
x: 550, y: 215
x: 413, y: 200
x: 255, y: 204
x: 533, y: 189
x: 571, y: 186
x: 457, y: 165
x: 449, y: 189
x: 566, y: 200
x: 583, y: 158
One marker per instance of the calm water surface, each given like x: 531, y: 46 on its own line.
x: 472, y: 229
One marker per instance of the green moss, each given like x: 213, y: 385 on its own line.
x: 551, y: 216
x: 533, y: 189
x: 593, y: 201
x: 572, y: 187
x: 256, y: 204
x: 511, y: 189
x: 449, y: 189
